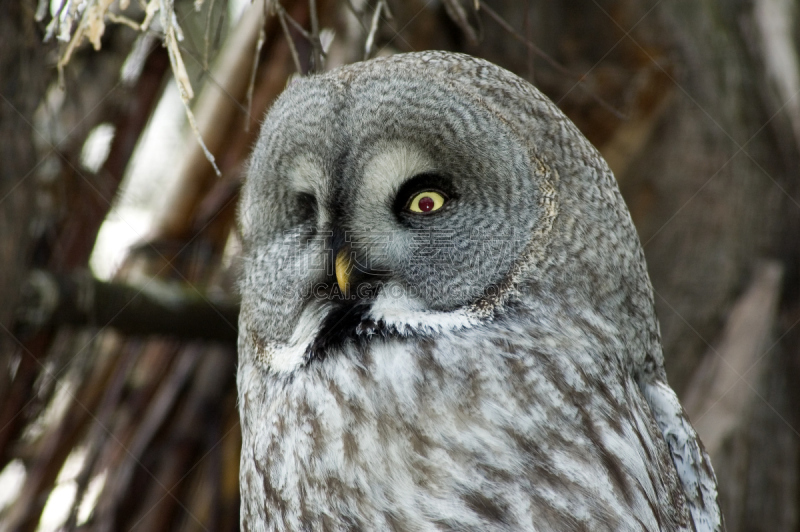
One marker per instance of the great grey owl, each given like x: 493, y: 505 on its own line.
x: 447, y: 322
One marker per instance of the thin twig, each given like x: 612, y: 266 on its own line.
x: 149, y: 13
x: 262, y: 36
x: 207, y: 35
x: 316, y: 44
x: 296, y: 25
x: 121, y: 19
x: 171, y: 38
x: 282, y: 19
x: 373, y: 29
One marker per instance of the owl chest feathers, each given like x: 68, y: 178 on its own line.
x: 486, y: 428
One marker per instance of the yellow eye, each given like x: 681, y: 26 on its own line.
x: 426, y: 202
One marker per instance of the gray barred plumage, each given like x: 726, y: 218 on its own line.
x: 494, y: 364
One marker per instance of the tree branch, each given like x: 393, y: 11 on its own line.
x: 156, y: 308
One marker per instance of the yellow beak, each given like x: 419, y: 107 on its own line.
x: 343, y: 269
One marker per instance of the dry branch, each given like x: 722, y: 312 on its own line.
x: 157, y: 308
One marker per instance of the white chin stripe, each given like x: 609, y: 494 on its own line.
x: 402, y: 315
x: 396, y: 310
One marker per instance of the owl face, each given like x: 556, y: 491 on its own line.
x: 381, y: 202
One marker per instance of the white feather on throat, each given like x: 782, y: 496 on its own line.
x: 394, y: 309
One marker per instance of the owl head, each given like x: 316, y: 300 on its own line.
x: 425, y: 192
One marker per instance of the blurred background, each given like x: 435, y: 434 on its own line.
x: 118, y: 246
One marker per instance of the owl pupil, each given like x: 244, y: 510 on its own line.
x: 425, y: 204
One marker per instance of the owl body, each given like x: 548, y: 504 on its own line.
x: 446, y: 318
x: 479, y: 429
